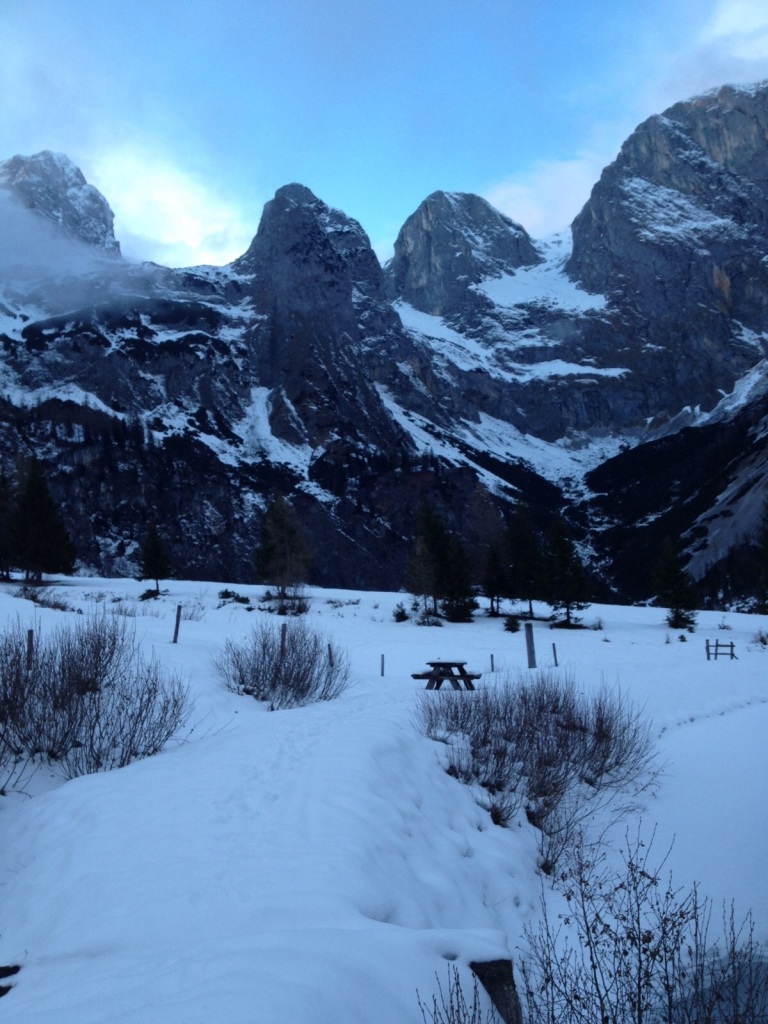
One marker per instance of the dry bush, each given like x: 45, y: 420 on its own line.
x: 287, y: 665
x: 631, y: 948
x: 548, y: 749
x: 88, y: 700
x: 450, y: 1006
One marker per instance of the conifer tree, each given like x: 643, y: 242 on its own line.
x: 485, y: 539
x: 761, y: 587
x: 525, y: 559
x: 6, y: 507
x: 155, y: 559
x: 282, y: 557
x: 675, y: 588
x: 425, y: 568
x: 438, y: 572
x: 38, y: 540
x: 457, y: 594
x: 567, y: 585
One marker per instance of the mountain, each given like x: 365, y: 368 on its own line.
x: 56, y: 190
x: 615, y: 374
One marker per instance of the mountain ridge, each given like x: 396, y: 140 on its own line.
x: 360, y: 389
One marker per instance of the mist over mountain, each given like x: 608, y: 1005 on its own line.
x: 614, y: 374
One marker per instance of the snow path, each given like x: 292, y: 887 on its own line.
x: 276, y: 841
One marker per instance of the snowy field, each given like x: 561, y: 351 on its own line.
x: 318, y: 865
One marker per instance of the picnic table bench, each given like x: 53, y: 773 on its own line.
x: 452, y: 671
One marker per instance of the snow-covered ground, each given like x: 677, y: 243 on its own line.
x: 318, y: 865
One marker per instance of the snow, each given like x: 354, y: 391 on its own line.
x: 256, y: 431
x: 426, y: 324
x: 545, y: 283
x: 318, y: 864
x: 667, y: 212
x: 565, y: 462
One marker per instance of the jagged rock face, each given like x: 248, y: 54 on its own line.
x: 52, y: 186
x: 452, y: 241
x: 676, y: 231
x: 300, y: 234
x: 324, y: 332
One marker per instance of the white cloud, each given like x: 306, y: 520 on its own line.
x: 731, y: 46
x: 166, y: 214
x: 546, y: 197
x: 739, y: 22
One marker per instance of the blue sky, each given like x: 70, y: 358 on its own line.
x: 189, y: 115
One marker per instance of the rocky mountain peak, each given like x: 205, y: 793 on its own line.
x: 452, y: 241
x: 689, y: 181
x: 300, y: 236
x: 56, y: 189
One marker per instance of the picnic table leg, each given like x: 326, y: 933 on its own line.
x: 464, y: 677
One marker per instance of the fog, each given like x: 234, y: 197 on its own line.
x: 31, y: 246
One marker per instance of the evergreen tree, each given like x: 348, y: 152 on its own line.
x: 155, y: 559
x: 485, y: 539
x: 282, y: 557
x: 761, y: 587
x: 525, y: 560
x: 425, y: 567
x: 675, y: 588
x: 438, y: 572
x: 457, y: 594
x: 38, y: 540
x: 567, y: 585
x: 422, y: 578
x: 6, y: 507
x: 494, y: 575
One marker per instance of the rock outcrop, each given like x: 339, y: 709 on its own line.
x: 452, y: 241
x: 675, y: 233
x: 51, y: 185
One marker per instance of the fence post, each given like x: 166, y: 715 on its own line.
x: 382, y: 666
x: 492, y: 668
x: 554, y: 652
x: 529, y: 645
x: 283, y: 634
x: 178, y: 621
x: 30, y: 648
x: 707, y: 646
x: 330, y: 654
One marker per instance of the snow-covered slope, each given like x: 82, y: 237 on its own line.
x: 318, y: 864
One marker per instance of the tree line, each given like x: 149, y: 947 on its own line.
x: 501, y: 557
x: 506, y: 559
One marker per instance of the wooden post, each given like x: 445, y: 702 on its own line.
x: 529, y: 645
x: 382, y: 666
x: 492, y: 668
x: 707, y: 646
x: 283, y: 635
x: 330, y: 654
x: 176, y: 627
x: 30, y: 648
x: 554, y: 652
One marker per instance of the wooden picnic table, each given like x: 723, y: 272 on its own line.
x: 452, y: 671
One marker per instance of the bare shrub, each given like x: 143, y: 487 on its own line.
x: 87, y: 700
x: 632, y: 948
x: 548, y: 748
x: 43, y: 598
x: 451, y: 1006
x: 288, y: 666
x: 127, y: 720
